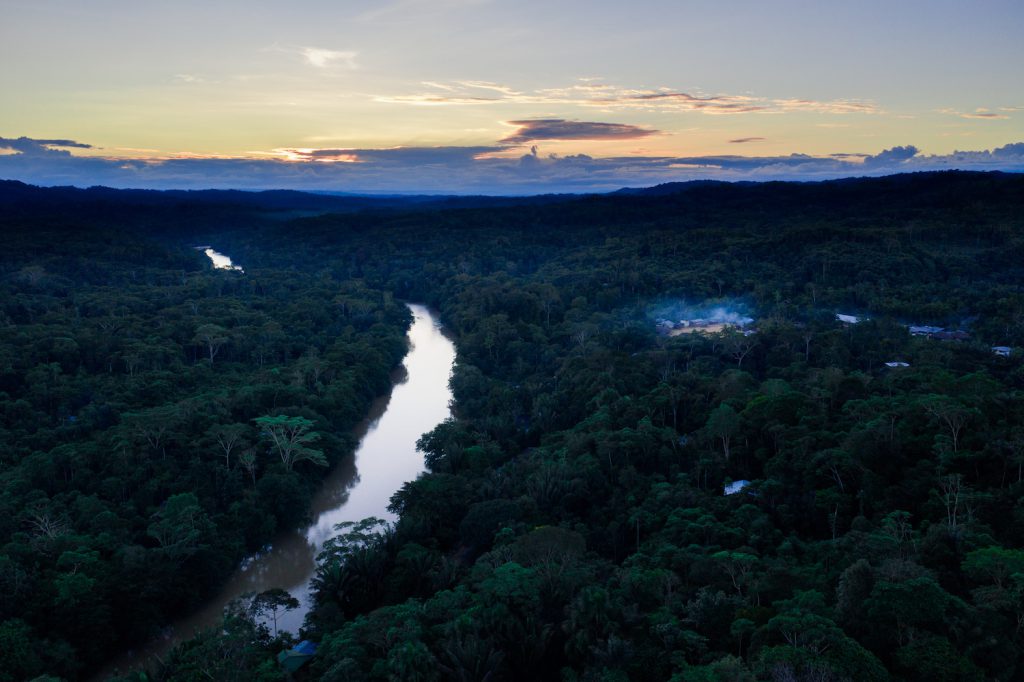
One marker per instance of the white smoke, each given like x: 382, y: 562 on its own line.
x: 728, y: 312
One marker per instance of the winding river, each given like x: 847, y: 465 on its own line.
x: 357, y: 488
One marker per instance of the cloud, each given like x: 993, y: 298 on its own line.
x: 594, y: 93
x: 893, y: 156
x: 487, y: 85
x: 34, y: 147
x: 393, y: 156
x: 322, y: 155
x: 681, y: 101
x: 744, y: 163
x: 189, y: 78
x: 534, y: 130
x: 835, y: 106
x: 439, y: 86
x: 406, y: 8
x: 742, y: 140
x: 434, y: 100
x: 453, y: 169
x: 979, y: 113
x: 1013, y: 150
x: 321, y: 58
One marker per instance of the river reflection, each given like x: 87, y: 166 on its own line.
x: 358, y: 487
x: 219, y: 260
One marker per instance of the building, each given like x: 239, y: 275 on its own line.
x: 736, y: 486
x: 294, y: 658
x: 950, y: 336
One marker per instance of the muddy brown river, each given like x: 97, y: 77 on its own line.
x: 357, y: 488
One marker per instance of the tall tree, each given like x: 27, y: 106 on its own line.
x: 212, y: 337
x: 290, y: 437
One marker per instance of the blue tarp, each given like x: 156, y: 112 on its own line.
x: 306, y: 647
x: 293, y: 659
x: 735, y: 487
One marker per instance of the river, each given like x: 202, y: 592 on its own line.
x: 218, y: 259
x: 357, y: 488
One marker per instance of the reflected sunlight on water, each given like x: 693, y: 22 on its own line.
x: 357, y: 488
x: 219, y: 260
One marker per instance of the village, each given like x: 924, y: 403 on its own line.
x: 927, y: 331
x: 703, y: 321
x: 720, y: 319
x: 699, y: 326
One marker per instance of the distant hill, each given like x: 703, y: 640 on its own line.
x: 19, y: 193
x: 937, y: 184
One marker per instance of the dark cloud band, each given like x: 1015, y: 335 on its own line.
x: 462, y: 170
x: 35, y: 147
x: 536, y: 130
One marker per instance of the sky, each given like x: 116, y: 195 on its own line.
x: 503, y: 97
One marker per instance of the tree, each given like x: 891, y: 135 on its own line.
x: 290, y: 437
x: 739, y: 345
x: 180, y: 526
x: 953, y: 492
x: 247, y: 458
x: 18, y: 655
x: 723, y: 422
x: 740, y: 628
x: 738, y: 566
x: 350, y: 568
x: 803, y: 622
x: 269, y: 602
x: 950, y: 413
x: 994, y: 564
x: 228, y: 437
x: 907, y: 606
x: 212, y: 336
x: 854, y: 588
x: 237, y: 651
x: 152, y: 425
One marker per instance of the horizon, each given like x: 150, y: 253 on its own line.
x: 413, y: 194
x: 475, y: 97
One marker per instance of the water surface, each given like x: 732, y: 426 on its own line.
x: 357, y: 488
x: 219, y: 260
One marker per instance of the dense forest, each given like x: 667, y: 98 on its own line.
x: 573, y: 523
x: 139, y: 394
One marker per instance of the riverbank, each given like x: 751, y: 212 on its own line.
x: 359, y: 487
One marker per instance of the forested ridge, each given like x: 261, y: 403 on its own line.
x: 572, y: 525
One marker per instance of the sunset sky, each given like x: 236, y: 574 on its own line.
x: 503, y: 97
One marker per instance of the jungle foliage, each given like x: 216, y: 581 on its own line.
x: 139, y: 394
x: 572, y: 524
